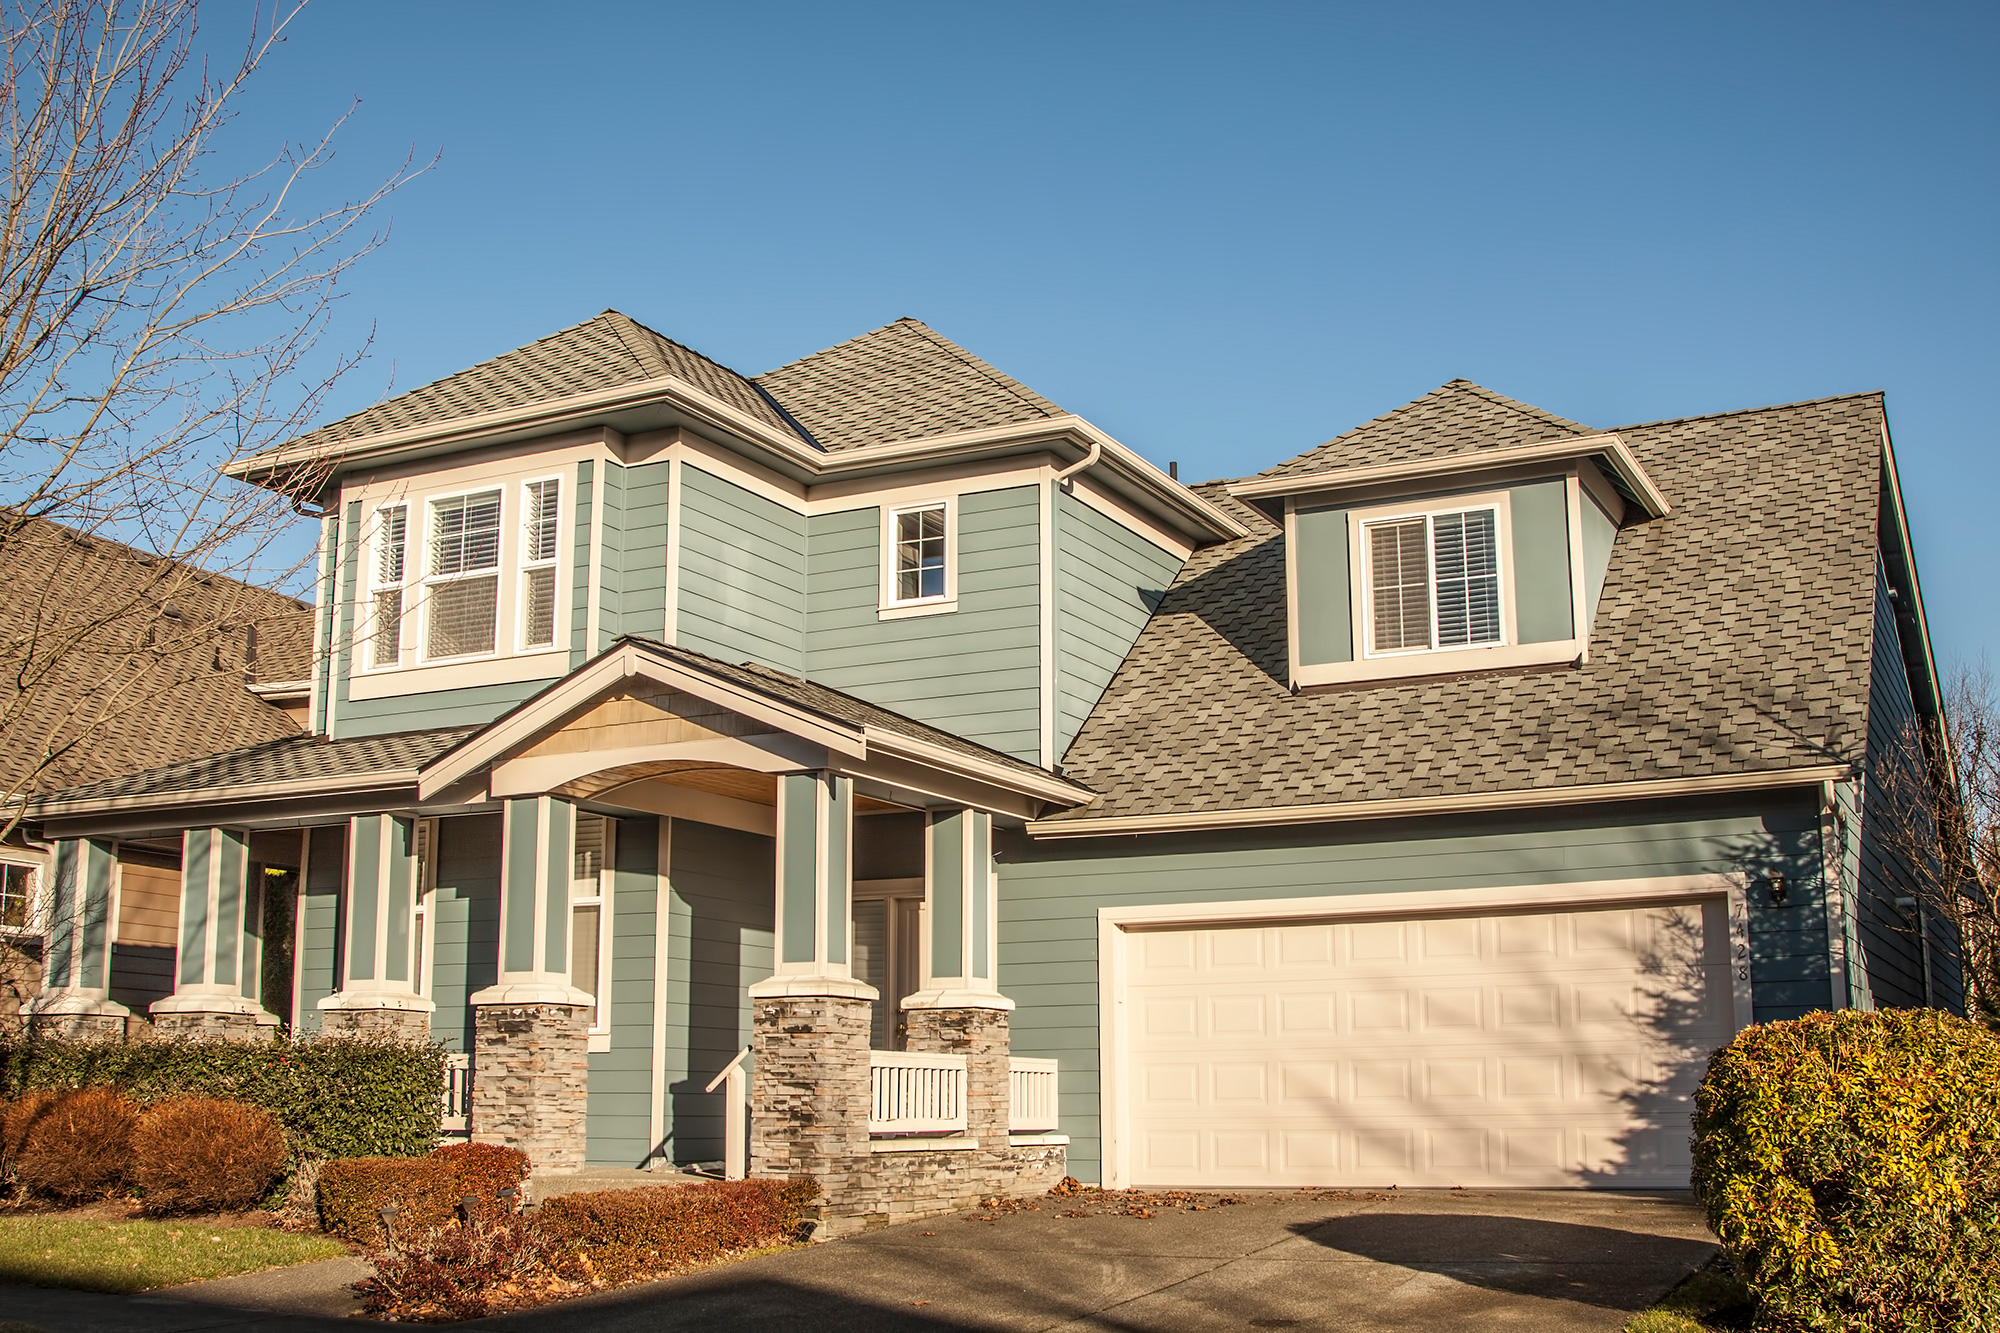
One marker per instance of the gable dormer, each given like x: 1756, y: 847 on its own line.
x: 1486, y: 556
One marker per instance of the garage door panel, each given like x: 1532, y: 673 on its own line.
x: 1506, y: 1049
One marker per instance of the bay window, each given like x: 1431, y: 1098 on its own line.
x: 463, y: 587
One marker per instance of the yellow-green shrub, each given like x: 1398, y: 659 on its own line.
x: 1850, y: 1164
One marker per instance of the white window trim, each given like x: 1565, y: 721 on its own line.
x: 374, y: 585
x: 524, y: 564
x: 504, y: 586
x: 892, y: 607
x: 600, y: 1027
x: 425, y: 906
x: 1363, y: 573
x: 1412, y: 663
x: 37, y: 911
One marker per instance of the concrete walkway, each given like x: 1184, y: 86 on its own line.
x: 1333, y: 1260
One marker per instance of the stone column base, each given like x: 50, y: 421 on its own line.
x: 809, y: 1093
x: 200, y: 1016
x: 530, y: 1069
x: 981, y: 1036
x: 404, y: 1018
x: 75, y: 1014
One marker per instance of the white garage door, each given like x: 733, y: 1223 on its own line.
x: 1519, y: 1049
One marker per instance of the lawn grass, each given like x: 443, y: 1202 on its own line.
x: 138, y: 1256
x: 1706, y: 1302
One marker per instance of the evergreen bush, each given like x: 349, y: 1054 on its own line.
x: 1850, y: 1164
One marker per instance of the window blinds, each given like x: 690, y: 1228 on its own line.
x: 1434, y: 581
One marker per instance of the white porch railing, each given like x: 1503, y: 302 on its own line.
x: 1033, y: 1084
x: 915, y: 1093
x: 457, y: 1095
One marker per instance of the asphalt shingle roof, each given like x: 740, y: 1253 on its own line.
x: 1455, y: 418
x: 902, y: 381
x: 601, y: 353
x: 293, y: 758
x: 1733, y: 635
x: 156, y: 670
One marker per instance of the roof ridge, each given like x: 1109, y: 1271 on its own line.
x: 645, y: 353
x: 1752, y: 411
x: 834, y: 347
x: 1526, y: 409
x: 987, y: 368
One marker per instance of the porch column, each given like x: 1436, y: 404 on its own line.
x: 377, y: 992
x: 82, y: 907
x: 959, y: 1009
x: 211, y: 997
x: 809, y: 1088
x: 532, y: 1029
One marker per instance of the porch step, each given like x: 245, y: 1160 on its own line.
x: 543, y: 1187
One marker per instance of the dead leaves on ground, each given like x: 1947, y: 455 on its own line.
x: 1090, y: 1201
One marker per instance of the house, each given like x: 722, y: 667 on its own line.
x: 163, y: 662
x: 1419, y: 811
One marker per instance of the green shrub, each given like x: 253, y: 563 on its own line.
x: 625, y: 1235
x: 353, y: 1191
x: 79, y: 1147
x: 425, y: 1190
x: 205, y: 1154
x: 334, y: 1096
x: 1850, y: 1164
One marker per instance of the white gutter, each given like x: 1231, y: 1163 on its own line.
x: 1089, y: 460
x: 1608, y: 446
x: 247, y: 791
x: 1347, y: 811
x: 1042, y: 786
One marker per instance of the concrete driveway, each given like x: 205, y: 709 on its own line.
x: 1337, y: 1260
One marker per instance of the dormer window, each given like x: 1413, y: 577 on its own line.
x: 1433, y: 581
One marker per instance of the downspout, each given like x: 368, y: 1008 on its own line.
x: 1089, y: 460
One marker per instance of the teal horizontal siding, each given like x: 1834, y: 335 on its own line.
x: 318, y: 962
x: 638, y: 605
x: 1051, y: 892
x: 466, y: 707
x: 720, y: 911
x: 464, y: 923
x: 618, y: 1116
x: 742, y: 574
x: 1108, y: 579
x: 975, y: 671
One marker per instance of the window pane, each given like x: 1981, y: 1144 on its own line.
x: 465, y: 533
x: 588, y: 849
x: 389, y: 555
x: 1399, y: 585
x: 538, y: 606
x: 541, y: 521
x: 871, y: 964
x: 14, y: 895
x: 583, y: 953
x: 388, y: 627
x: 1468, y: 578
x: 462, y: 617
x: 919, y: 554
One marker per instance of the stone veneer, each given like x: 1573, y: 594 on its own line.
x: 810, y: 1102
x: 531, y: 1064
x: 412, y: 1025
x: 77, y: 1027
x: 205, y: 1023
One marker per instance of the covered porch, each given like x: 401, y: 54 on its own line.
x: 658, y: 870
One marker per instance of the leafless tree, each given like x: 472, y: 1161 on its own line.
x: 159, y: 318
x: 1936, y: 809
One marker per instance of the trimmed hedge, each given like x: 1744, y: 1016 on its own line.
x: 626, y: 1235
x: 335, y: 1096
x: 1850, y: 1164
x: 424, y: 1190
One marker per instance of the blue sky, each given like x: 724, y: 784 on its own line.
x: 1223, y: 232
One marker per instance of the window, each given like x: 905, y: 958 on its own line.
x: 391, y: 543
x: 17, y: 897
x: 464, y: 596
x: 919, y: 539
x: 589, y: 923
x: 1433, y: 581
x: 420, y: 912
x: 538, y: 563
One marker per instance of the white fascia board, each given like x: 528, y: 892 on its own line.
x: 1479, y: 803
x: 1608, y: 446
x: 623, y: 664
x: 1042, y: 786
x: 393, y: 780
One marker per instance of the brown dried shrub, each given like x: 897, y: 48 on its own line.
x: 17, y: 1119
x: 353, y: 1191
x: 79, y: 1147
x: 482, y: 1170
x: 205, y: 1155
x: 626, y: 1235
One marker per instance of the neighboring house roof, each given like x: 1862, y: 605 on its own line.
x: 1732, y: 636
x: 294, y: 759
x: 114, y: 702
x: 605, y: 352
x: 902, y: 381
x: 1459, y: 417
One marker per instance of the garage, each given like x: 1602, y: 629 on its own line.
x: 1530, y: 1047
